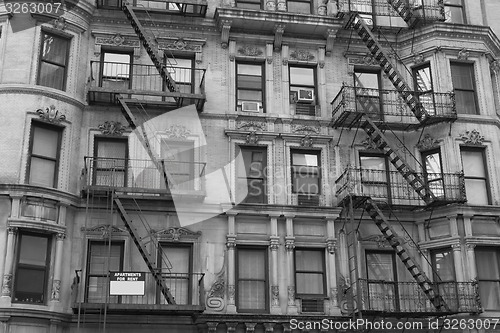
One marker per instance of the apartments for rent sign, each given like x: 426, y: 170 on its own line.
x: 127, y: 283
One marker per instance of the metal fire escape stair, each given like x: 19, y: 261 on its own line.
x: 148, y: 257
x: 405, y: 11
x: 363, y: 30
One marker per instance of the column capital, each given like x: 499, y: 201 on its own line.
x: 289, y: 215
x: 231, y: 241
x: 290, y: 243
x: 60, y: 236
x: 212, y: 326
x: 269, y: 327
x: 231, y: 327
x: 274, y: 214
x: 12, y: 230
x: 456, y: 247
x: 275, y: 292
x: 470, y: 246
x: 250, y: 327
x: 274, y: 243
x: 331, y: 245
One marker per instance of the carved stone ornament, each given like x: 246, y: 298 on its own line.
x: 251, y: 126
x: 495, y: 66
x: 368, y: 59
x: 230, y: 293
x: 463, y: 54
x: 51, y: 115
x: 59, y: 23
x: 331, y: 246
x: 215, y: 297
x: 117, y: 40
x: 418, y: 58
x: 275, y: 290
x: 383, y: 243
x: 306, y: 141
x: 176, y: 234
x: 6, y: 284
x: 427, y: 142
x: 251, y: 51
x: 252, y: 138
x: 369, y: 144
x: 104, y: 230
x: 291, y: 295
x: 289, y: 244
x: 112, y: 128
x: 304, y: 129
x: 179, y: 132
x: 472, y: 138
x: 302, y: 55
x: 56, y: 290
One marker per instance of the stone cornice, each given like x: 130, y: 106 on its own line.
x: 42, y: 91
x: 37, y: 191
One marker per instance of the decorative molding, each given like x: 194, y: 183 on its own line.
x: 275, y: 291
x: 306, y: 141
x: 383, y: 243
x: 369, y: 144
x: 304, y: 129
x: 250, y: 51
x: 182, y: 44
x: 463, y: 54
x: 51, y: 115
x: 418, y: 58
x: 252, y: 138
x: 177, y: 233
x: 366, y: 59
x: 251, y: 126
x: 6, y: 284
x: 472, y: 138
x: 230, y: 294
x: 331, y: 246
x: 291, y: 295
x: 215, y: 297
x: 289, y: 244
x: 225, y: 27
x: 112, y: 128
x: 279, y: 29
x: 427, y: 142
x: 60, y: 236
x: 330, y: 39
x: 274, y: 243
x: 250, y: 327
x: 56, y: 290
x: 301, y: 55
x: 103, y: 230
x: 59, y: 23
x: 495, y: 66
x: 179, y: 132
x: 116, y: 40
x: 231, y: 241
x: 269, y: 53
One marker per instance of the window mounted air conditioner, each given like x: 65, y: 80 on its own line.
x: 306, y: 96
x: 250, y: 106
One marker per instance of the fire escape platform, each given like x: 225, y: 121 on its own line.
x: 89, y: 308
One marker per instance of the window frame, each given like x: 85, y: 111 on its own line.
x: 252, y: 149
x: 396, y: 302
x: 189, y: 279
x: 100, y: 138
x: 102, y: 64
x: 311, y: 6
x: 262, y: 85
x: 41, y: 60
x: 472, y: 68
x: 416, y: 86
x: 57, y: 160
x: 321, y: 251
x: 264, y: 250
x: 362, y: 70
x: 486, y: 177
x: 293, y: 173
x: 387, y: 172
x: 461, y: 5
x: 33, y: 267
x: 424, y: 155
x: 261, y: 7
x: 495, y: 250
x: 88, y: 274
x: 192, y: 68
x: 294, y: 96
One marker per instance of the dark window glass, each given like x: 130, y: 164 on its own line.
x: 299, y: 6
x: 116, y: 70
x: 454, y: 11
x: 382, y: 281
x: 433, y: 172
x: 252, y: 175
x: 250, y: 87
x: 422, y: 81
x: 309, y: 272
x: 249, y: 4
x: 476, y: 177
x: 110, y: 164
x: 30, y: 284
x: 306, y: 172
x: 488, y: 275
x: 252, y: 280
x: 303, y: 90
x: 53, y: 61
x: 462, y: 75
x: 102, y: 258
x: 367, y: 86
x: 176, y: 262
x: 182, y: 72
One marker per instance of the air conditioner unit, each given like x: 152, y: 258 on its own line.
x: 306, y: 96
x: 250, y: 106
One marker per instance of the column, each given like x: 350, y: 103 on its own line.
x: 468, y: 225
x: 273, y: 246
x: 9, y: 262
x: 457, y: 258
x: 290, y: 246
x: 16, y: 206
x: 425, y: 264
x: 231, y: 244
x: 56, y: 283
x: 331, y: 246
x: 471, y: 261
x: 453, y: 225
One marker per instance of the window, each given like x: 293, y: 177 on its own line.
x: 252, y: 175
x: 382, y: 281
x: 310, y: 273
x: 179, y: 162
x: 367, y: 87
x: 488, y: 275
x: 476, y: 177
x: 443, y: 268
x: 181, y: 71
x: 433, y: 171
x: 454, y: 11
x: 109, y: 4
x: 116, y: 70
x: 31, y: 277
x: 110, y: 163
x: 102, y: 258
x: 250, y: 87
x: 252, y: 281
x: 303, y: 90
x: 306, y: 172
x: 299, y: 6
x: 39, y: 209
x: 53, y: 61
x: 178, y: 258
x: 249, y: 4
x: 422, y: 82
x: 44, y: 154
x: 462, y: 75
x: 375, y: 175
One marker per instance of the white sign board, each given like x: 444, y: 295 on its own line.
x: 127, y: 283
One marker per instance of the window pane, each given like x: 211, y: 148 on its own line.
x: 487, y: 264
x: 179, y: 258
x: 248, y: 69
x: 310, y: 283
x: 42, y: 172
x: 472, y: 163
x: 51, y: 76
x: 111, y: 149
x: 252, y: 295
x: 305, y: 159
x: 302, y: 76
x: 255, y: 6
x: 101, y: 255
x: 308, y: 260
x: 462, y: 76
x: 433, y: 165
x: 251, y: 264
x: 366, y: 80
x: 299, y: 7
x: 477, y: 193
x: 33, y: 250
x: 453, y: 14
x: 306, y: 184
x: 444, y: 265
x: 30, y: 285
x: 372, y: 162
x: 380, y: 266
x: 45, y: 142
x: 465, y: 102
x: 54, y: 49
x: 490, y: 295
x: 423, y: 81
x: 249, y: 82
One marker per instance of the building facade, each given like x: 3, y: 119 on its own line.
x: 260, y: 166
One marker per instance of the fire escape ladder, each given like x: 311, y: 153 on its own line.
x: 404, y: 10
x: 411, y: 265
x: 151, y: 46
x: 413, y: 178
x: 365, y: 33
x: 143, y: 138
x: 148, y: 257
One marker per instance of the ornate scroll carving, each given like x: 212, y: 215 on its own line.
x: 51, y: 115
x: 112, y: 128
x: 251, y: 51
x: 215, y: 297
x: 472, y: 138
x: 176, y: 233
x: 178, y: 132
x: 304, y: 129
x: 302, y: 55
x: 427, y: 142
x: 463, y: 54
x: 252, y: 138
x: 56, y: 290
x: 251, y: 126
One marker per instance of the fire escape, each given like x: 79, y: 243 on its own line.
x: 109, y: 181
x: 353, y: 108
